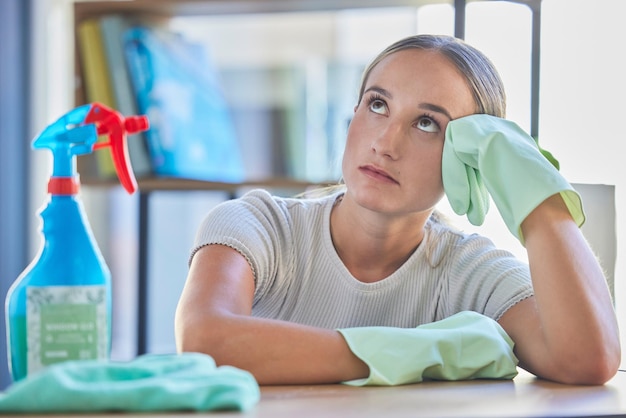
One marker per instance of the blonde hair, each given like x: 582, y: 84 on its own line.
x: 479, y: 72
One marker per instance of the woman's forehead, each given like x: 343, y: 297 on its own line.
x: 414, y: 59
x: 425, y: 73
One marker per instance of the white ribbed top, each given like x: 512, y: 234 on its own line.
x: 300, y: 278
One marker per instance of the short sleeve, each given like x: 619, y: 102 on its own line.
x: 485, y: 279
x: 256, y: 226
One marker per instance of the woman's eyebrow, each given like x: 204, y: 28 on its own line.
x: 428, y: 106
x: 380, y: 90
x: 435, y: 108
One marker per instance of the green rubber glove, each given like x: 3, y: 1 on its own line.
x: 465, y: 346
x: 483, y: 153
x: 152, y: 382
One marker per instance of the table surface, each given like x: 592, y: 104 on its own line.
x: 525, y: 396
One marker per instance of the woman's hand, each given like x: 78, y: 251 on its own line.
x: 483, y: 153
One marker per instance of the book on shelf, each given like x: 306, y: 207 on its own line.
x: 112, y: 28
x: 191, y: 133
x: 106, y: 81
x: 97, y: 86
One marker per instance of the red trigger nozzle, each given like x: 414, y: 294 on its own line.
x: 134, y: 124
x: 116, y: 126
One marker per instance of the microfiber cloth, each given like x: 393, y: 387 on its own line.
x: 150, y: 382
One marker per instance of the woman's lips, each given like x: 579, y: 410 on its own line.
x: 377, y: 173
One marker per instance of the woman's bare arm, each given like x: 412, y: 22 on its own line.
x: 213, y: 317
x: 568, y: 331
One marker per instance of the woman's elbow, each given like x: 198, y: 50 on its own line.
x: 594, y: 372
x: 602, y: 367
x: 192, y: 336
x: 589, y: 367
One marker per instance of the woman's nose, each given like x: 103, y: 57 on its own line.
x: 388, y: 141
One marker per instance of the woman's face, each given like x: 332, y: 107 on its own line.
x: 392, y: 160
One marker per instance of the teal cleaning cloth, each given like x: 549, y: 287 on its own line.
x: 151, y: 382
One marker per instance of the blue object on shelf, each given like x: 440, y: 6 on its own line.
x: 192, y: 134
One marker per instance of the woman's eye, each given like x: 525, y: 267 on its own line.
x: 427, y: 124
x: 378, y: 106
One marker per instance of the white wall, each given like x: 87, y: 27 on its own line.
x: 582, y: 106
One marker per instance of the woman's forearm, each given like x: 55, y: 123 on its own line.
x: 214, y: 317
x: 275, y: 352
x: 574, y: 307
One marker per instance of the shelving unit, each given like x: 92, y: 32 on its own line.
x: 153, y: 184
x: 164, y: 9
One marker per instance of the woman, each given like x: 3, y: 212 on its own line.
x: 272, y: 280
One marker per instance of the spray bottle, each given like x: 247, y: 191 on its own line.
x: 59, y: 308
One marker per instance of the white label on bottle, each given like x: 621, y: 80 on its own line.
x: 65, y: 323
